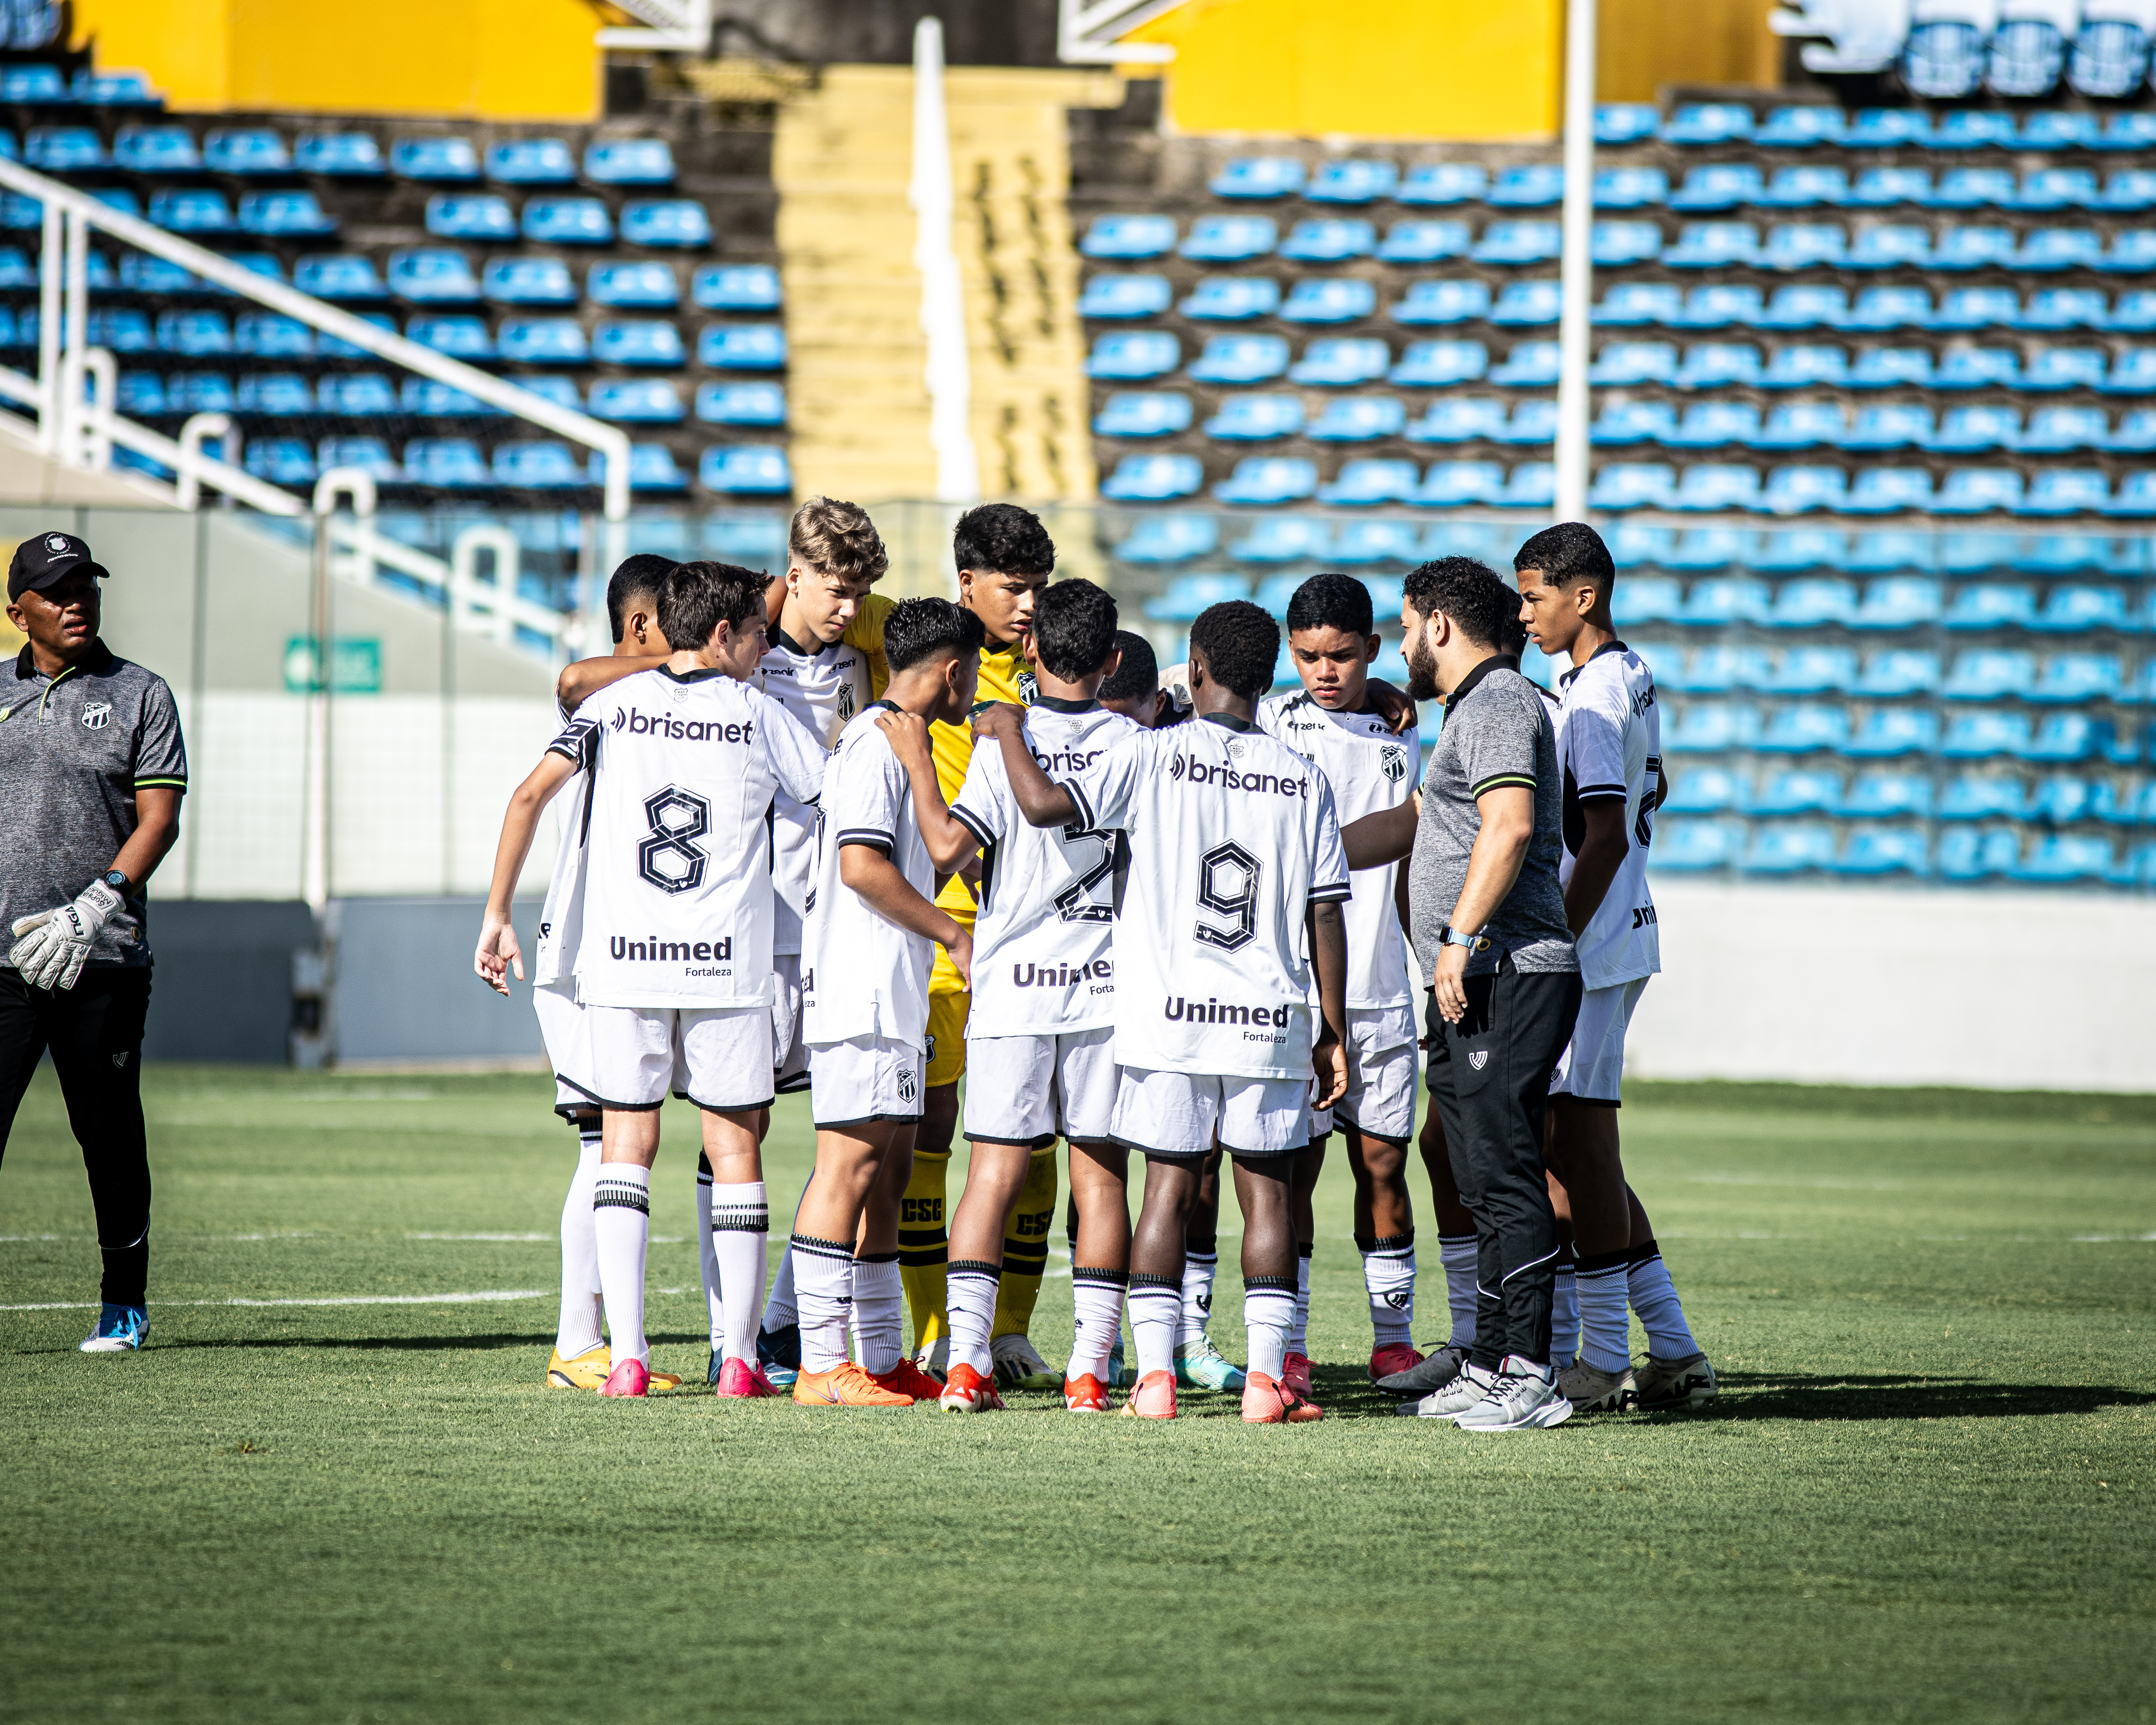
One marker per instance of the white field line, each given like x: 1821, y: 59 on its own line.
x: 471, y: 1299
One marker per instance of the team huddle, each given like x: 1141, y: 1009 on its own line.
x: 812, y: 840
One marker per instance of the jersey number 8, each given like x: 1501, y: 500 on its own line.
x: 668, y: 858
x: 1227, y: 885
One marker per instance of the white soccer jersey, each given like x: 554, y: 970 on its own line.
x: 860, y: 974
x: 1369, y: 769
x: 1609, y: 748
x: 675, y: 907
x: 823, y: 690
x: 1233, y: 837
x: 1042, y: 941
x: 561, y: 915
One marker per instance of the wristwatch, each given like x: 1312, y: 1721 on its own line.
x: 1474, y: 942
x: 117, y: 881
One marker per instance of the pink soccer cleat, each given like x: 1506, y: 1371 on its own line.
x: 739, y: 1379
x: 1294, y: 1372
x: 1154, y: 1399
x: 1400, y: 1357
x: 1270, y: 1402
x: 632, y: 1377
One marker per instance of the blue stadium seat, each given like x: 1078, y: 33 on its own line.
x: 1258, y: 177
x: 1804, y: 189
x: 1714, y: 425
x: 1892, y: 368
x: 1625, y: 122
x: 267, y: 336
x: 192, y: 335
x: 281, y: 460
x: 1805, y: 245
x: 2062, y: 739
x: 1717, y: 186
x: 639, y: 400
x: 1535, y: 185
x: 2113, y: 807
x: 104, y: 89
x: 1614, y: 246
x: 1889, y: 248
x: 1170, y: 539
x: 1361, y: 544
x: 1943, y: 59
x: 1647, y: 599
x: 649, y: 286
x: 2047, y: 189
x: 2129, y: 130
x: 543, y: 340
x: 1454, y: 485
x: 64, y: 149
x: 1884, y: 188
x: 1705, y: 123
x: 1424, y: 241
x: 2074, y: 678
x: 566, y: 220
x: 355, y: 395
x: 1801, y: 127
x: 1239, y: 359
x: 1969, y: 249
x: 1624, y: 486
x: 528, y: 281
x: 535, y: 465
x: 1459, y: 419
x: 736, y: 287
x: 2058, y: 368
x: 667, y: 223
x: 200, y: 393
x: 1899, y: 672
x: 446, y: 462
x: 651, y: 467
x: 1340, y: 363
x: 1972, y: 188
x: 1704, y: 670
x: 1328, y: 299
x: 370, y: 455
x: 251, y: 151
x: 1533, y: 424
x: 1723, y: 598
x: 1634, y: 305
x: 1871, y: 852
x: 1714, y: 245
x: 1987, y: 606
x: 1802, y: 425
x: 1804, y: 729
x: 1716, y: 307
x: 193, y: 212
x: 2058, y: 858
x: 1797, y: 490
x: 339, y: 155
x: 140, y: 272
x: 1527, y: 305
x: 764, y: 404
x: 1790, y: 551
x: 1128, y: 412
x: 1694, y: 846
x: 1532, y: 484
x: 1131, y: 238
x: 1362, y: 484
x: 1435, y: 184
x: 1189, y: 597
x: 1806, y: 365
x: 1887, y: 796
x: 2054, y: 249
x: 2132, y: 372
x: 431, y: 276
x: 1228, y: 240
x: 1153, y: 479
x: 266, y: 264
x: 442, y: 160
x: 1889, y: 490
x: 1798, y: 791
x: 1886, y: 733
x: 459, y: 337
x: 24, y: 86
x: 532, y: 162
x: 470, y: 215
x: 1530, y: 365
x: 1630, y: 188
x: 2136, y: 499
x: 629, y: 162
x: 1438, y: 303
x: 745, y: 470
x: 1353, y: 180
x: 1133, y: 356
x: 1974, y: 553
x: 2132, y: 193
x: 2071, y: 553
x: 1704, y: 790
x: 1966, y: 854
x: 1804, y: 306
x: 424, y: 399
x: 284, y: 215
x: 1286, y: 539
x: 1516, y: 244
x: 1978, y: 491
x: 156, y: 149
x: 1130, y: 296
x: 1706, y: 727
x: 1702, y: 549
x: 1974, y: 129
x: 2065, y: 491
x: 645, y: 342
x: 1358, y: 418
x: 1255, y: 418
x: 1988, y: 674
x: 1983, y: 796
x: 2131, y: 253
x: 1713, y: 487
x: 1969, y: 431
x: 1629, y: 364
x: 1621, y: 423
x: 1977, y: 309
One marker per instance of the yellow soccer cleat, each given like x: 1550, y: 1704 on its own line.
x: 588, y: 1370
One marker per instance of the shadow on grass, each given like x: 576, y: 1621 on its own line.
x: 397, y: 1344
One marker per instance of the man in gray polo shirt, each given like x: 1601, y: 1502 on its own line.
x: 1489, y: 928
x: 92, y: 769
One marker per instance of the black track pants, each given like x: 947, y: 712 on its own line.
x: 1489, y: 1080
x: 93, y: 1032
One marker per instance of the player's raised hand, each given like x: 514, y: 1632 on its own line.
x: 498, y: 954
x: 996, y: 718
x: 908, y: 736
x: 1328, y: 1060
x: 1391, y: 705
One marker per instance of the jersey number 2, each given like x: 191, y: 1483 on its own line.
x: 1227, y: 886
x: 1076, y: 903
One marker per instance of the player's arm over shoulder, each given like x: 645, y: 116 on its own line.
x: 865, y: 631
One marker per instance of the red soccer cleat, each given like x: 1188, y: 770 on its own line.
x: 1083, y: 1394
x: 1270, y: 1402
x: 1294, y: 1372
x: 907, y: 1379
x: 966, y: 1391
x: 1399, y: 1357
x: 632, y: 1377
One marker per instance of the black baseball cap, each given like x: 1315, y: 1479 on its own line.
x: 44, y: 558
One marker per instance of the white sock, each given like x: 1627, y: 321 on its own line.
x: 778, y: 1310
x: 621, y: 1226
x: 706, y: 1258
x: 1268, y: 1314
x: 740, y: 1233
x: 1156, y: 1314
x: 823, y: 1284
x: 1456, y: 1252
x: 1199, y: 1269
x: 1564, y: 1316
x: 970, y: 1297
x: 1298, y: 1329
x: 1096, y: 1300
x: 577, y: 1330
x: 879, y: 1311
x: 1389, y: 1278
x: 1653, y: 1297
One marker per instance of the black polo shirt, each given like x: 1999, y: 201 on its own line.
x: 74, y: 750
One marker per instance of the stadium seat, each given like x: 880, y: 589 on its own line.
x: 1132, y: 413
x: 156, y: 149
x: 2071, y: 553
x: 1892, y: 368
x: 1614, y: 246
x: 1164, y: 539
x: 1971, y: 249
x: 1630, y: 188
x: 1943, y: 59
x: 1714, y: 425
x: 1536, y: 185
x: 1992, y: 606
x: 1988, y: 674
x: 1629, y: 364
x: 1129, y: 357
x: 424, y: 399
x: 267, y: 336
x: 447, y: 462
x: 1153, y: 479
x: 1358, y: 418
x: 1516, y: 244
x: 1884, y: 188
x: 1693, y: 846
x: 1527, y: 305
x: 1255, y: 417
x: 1189, y: 597
x: 1235, y: 359
x: 266, y: 264
x: 1800, y: 127
x: 2136, y: 499
x: 1979, y: 368
x: 1704, y: 790
x: 2131, y: 253
x: 1286, y: 539
x: 1361, y: 544
x: 1974, y: 553
x: 446, y: 160
x: 1703, y: 549
x: 478, y: 215
x: 1262, y: 480
x: 193, y: 334
x: 1798, y: 791
x: 1438, y: 303
x: 1532, y: 484
x: 1331, y: 299
x: 1793, y: 552
x: 2065, y: 490
x: 1804, y: 189
x: 1901, y: 671
x: 357, y: 395
x: 2062, y: 739
x: 1624, y: 486
x: 370, y: 455
x: 1965, y: 189
x: 65, y: 149
x: 1988, y: 735
x: 668, y: 224
x: 562, y: 392
x: 1711, y: 727
x: 1966, y: 854
x: 432, y: 277
x: 737, y: 287
x: 1969, y: 431
x: 1225, y: 239
x: 2062, y: 368
x: 648, y: 342
x: 1337, y: 363
x: 1803, y: 245
x: 1424, y: 241
x: 1533, y: 424
x: 1647, y: 599
x: 539, y: 465
x: 1362, y: 484
x: 1869, y: 852
x: 1459, y: 419
x: 636, y: 286
x: 281, y: 460
x: 765, y: 404
x: 1889, y: 490
x: 1624, y: 423
x: 27, y: 85
x: 1455, y: 484
x: 2048, y: 189
x: 1353, y: 180
x: 1625, y: 122
x: 459, y: 337
x: 745, y: 470
x: 1711, y: 487
x: 2075, y: 679
x: 1887, y: 796
x: 1704, y: 670
x: 1806, y: 729
x: 1530, y: 365
x: 1639, y: 304
x: 2132, y: 193
x: 1797, y: 490
x: 1976, y: 309
x: 629, y: 162
x: 642, y: 401
x: 1258, y: 177
x: 1806, y: 365
x: 1131, y: 296
x: 192, y: 212
x: 139, y: 272
x: 1706, y: 123
x: 346, y: 278
x: 1888, y: 733
x: 200, y: 393
x: 2055, y: 431
x: 1723, y: 599
x: 2058, y: 858
x: 2055, y: 248
x: 532, y: 162
x: 1716, y: 307
x: 1437, y: 184
x: 528, y: 281
x: 1715, y: 245
x: 543, y: 340
x: 90, y: 87
x: 1132, y: 237
x: 1978, y: 491
x: 1803, y: 425
x: 339, y: 155
x: 566, y: 220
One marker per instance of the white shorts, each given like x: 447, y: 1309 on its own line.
x: 718, y: 1058
x: 788, y: 1045
x: 1180, y: 1114
x: 1379, y: 1101
x: 1592, y: 1064
x: 866, y: 1079
x: 1026, y: 1090
x: 562, y: 1029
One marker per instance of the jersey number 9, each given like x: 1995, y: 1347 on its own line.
x: 1227, y: 886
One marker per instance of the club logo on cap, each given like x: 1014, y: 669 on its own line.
x: 57, y: 545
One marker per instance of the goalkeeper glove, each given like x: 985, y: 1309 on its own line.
x: 55, y: 944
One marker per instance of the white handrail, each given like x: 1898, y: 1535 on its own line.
x: 1087, y: 35
x: 84, y: 211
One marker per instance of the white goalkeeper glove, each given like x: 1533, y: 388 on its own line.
x: 55, y: 944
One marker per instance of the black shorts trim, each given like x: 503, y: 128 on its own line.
x: 600, y: 1102
x: 1566, y: 1095
x: 1151, y: 1154
x: 793, y: 1086
x: 1041, y: 1142
x: 724, y: 1107
x: 833, y: 1125
x: 1402, y: 1142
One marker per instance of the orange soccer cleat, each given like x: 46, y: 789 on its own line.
x: 966, y: 1391
x: 846, y: 1385
x: 1268, y: 1401
x: 1083, y: 1394
x: 1154, y: 1399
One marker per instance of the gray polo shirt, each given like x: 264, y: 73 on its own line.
x: 74, y: 750
x: 1497, y: 732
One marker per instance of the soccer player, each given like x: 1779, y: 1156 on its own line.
x: 1236, y: 884
x: 869, y: 942
x: 1004, y: 559
x: 1040, y: 1036
x: 1133, y: 688
x: 1608, y: 743
x: 1332, y: 641
x: 673, y: 924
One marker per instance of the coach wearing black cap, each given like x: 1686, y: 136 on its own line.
x: 92, y: 769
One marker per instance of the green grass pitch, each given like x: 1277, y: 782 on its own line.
x: 1925, y: 1494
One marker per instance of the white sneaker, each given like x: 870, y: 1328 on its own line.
x: 935, y: 1359
x: 1018, y: 1366
x: 1670, y: 1385
x: 1592, y: 1390
x: 1526, y: 1398
x: 1463, y: 1392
